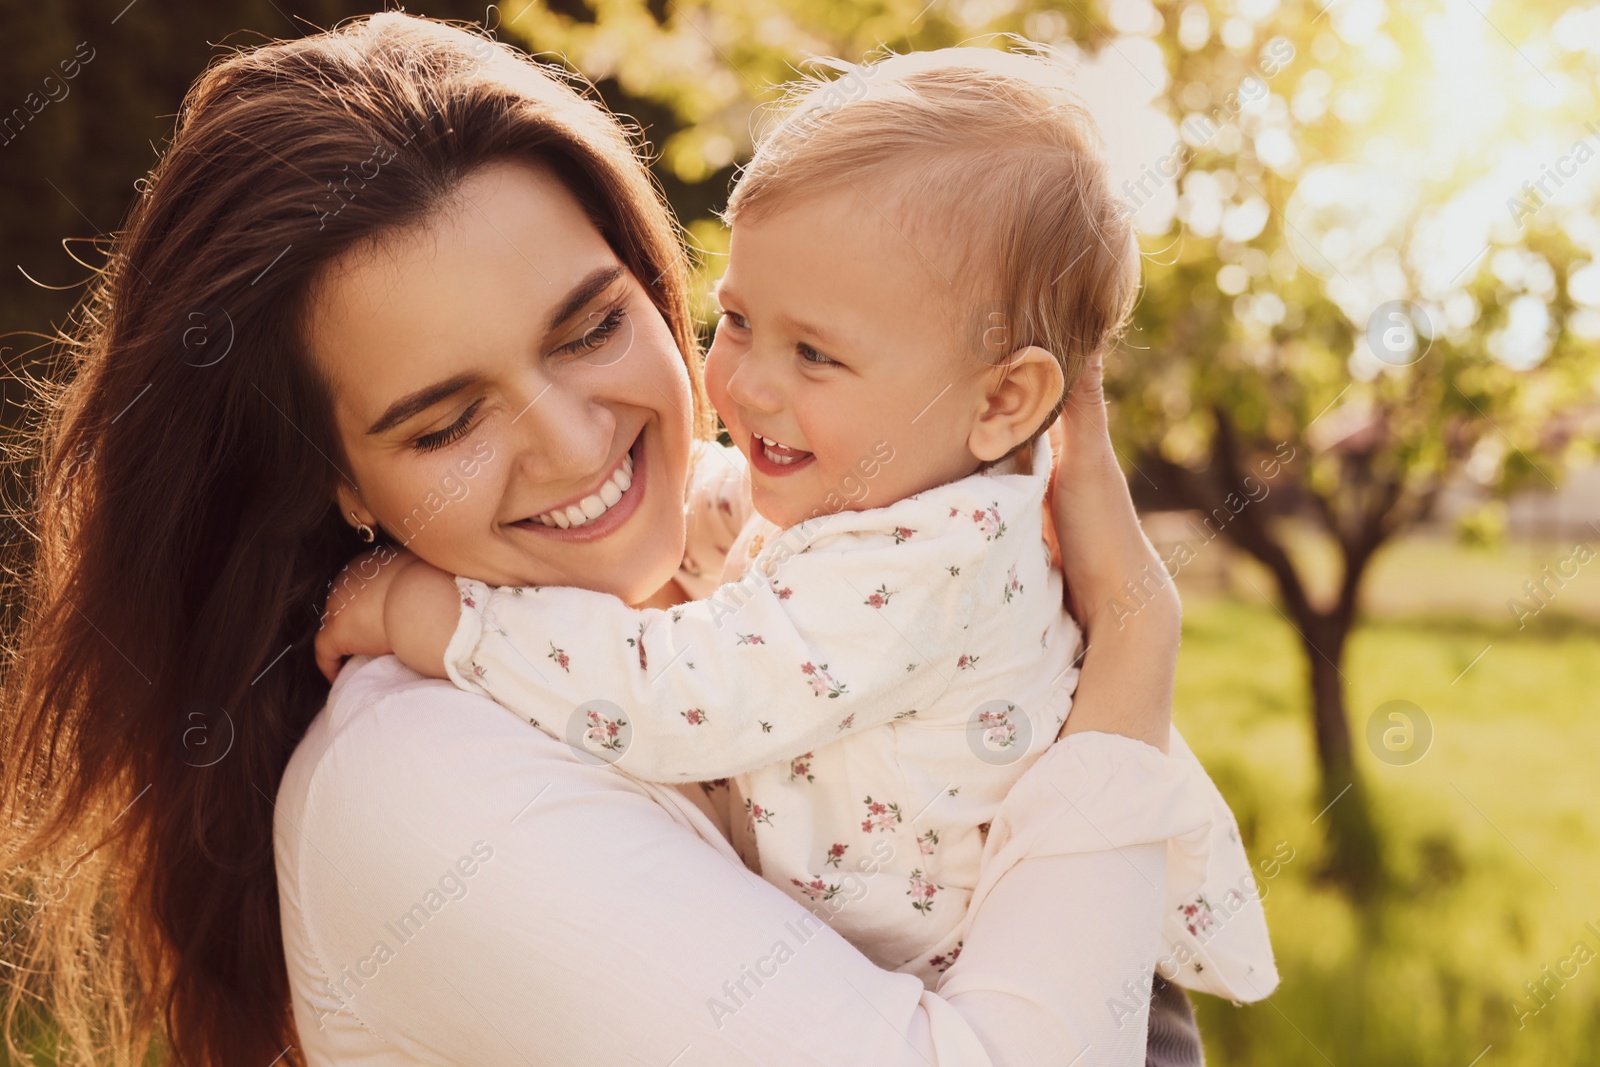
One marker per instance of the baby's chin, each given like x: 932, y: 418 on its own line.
x: 786, y: 509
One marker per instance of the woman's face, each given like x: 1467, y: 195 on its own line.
x: 497, y: 367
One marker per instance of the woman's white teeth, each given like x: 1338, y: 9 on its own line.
x: 595, y: 504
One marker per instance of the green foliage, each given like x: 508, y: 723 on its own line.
x: 1428, y: 974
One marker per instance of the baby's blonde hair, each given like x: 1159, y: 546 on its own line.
x: 991, y: 142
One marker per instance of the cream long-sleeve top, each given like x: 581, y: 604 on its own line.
x: 875, y: 682
x: 456, y: 888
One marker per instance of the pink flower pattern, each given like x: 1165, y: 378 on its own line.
x: 1198, y: 916
x: 754, y: 813
x: 694, y: 716
x: 998, y: 729
x: 800, y: 767
x: 816, y: 889
x: 881, y: 815
x: 880, y: 596
x: 927, y: 842
x: 989, y: 521
x: 603, y: 732
x: 921, y: 892
x: 942, y: 962
x: 561, y: 658
x: 901, y: 534
x: 638, y: 642
x: 1013, y: 586
x: 836, y: 853
x: 822, y: 683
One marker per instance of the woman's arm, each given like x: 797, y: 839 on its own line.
x: 597, y: 925
x: 1126, y: 684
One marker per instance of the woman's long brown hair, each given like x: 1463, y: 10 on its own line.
x: 185, y: 526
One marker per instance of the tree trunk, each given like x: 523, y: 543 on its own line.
x: 1354, y: 857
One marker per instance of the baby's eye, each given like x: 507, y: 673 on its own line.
x: 811, y: 355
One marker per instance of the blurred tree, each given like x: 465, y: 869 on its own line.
x: 1353, y: 311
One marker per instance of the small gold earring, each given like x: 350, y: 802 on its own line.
x: 363, y: 531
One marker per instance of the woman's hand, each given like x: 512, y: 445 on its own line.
x: 352, y: 618
x: 1132, y: 638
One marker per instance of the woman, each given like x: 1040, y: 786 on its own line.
x: 374, y: 284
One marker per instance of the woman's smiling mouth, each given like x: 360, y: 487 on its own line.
x: 600, y: 511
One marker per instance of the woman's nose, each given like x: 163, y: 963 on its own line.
x: 562, y: 435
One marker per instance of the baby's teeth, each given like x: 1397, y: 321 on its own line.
x: 593, y: 507
x: 610, y: 494
x: 575, y: 515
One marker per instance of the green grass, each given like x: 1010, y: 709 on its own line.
x: 1491, y: 837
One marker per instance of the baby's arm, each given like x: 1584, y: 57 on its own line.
x: 764, y: 670
x: 419, y: 615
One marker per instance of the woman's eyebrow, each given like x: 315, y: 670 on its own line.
x: 590, y: 287
x: 419, y: 401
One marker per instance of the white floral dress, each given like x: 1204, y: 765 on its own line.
x: 868, y: 685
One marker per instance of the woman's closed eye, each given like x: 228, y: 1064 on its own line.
x: 430, y: 442
x: 597, y: 335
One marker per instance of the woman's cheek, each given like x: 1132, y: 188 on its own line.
x: 450, y: 507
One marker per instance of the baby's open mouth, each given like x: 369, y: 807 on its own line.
x: 774, y: 452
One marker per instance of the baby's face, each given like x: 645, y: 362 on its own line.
x: 847, y: 345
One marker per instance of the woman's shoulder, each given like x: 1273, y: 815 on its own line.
x: 386, y: 729
x: 379, y: 710
x: 397, y: 767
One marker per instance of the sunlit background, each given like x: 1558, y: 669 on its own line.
x: 1359, y: 408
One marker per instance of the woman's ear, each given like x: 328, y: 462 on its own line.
x: 1030, y: 383
x: 350, y: 502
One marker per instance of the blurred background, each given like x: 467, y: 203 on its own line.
x: 1359, y: 408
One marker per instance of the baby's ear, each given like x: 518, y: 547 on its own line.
x: 1023, y: 391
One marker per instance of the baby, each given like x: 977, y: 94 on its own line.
x: 919, y: 268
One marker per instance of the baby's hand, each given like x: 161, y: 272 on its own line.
x: 420, y: 616
x: 352, y: 618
